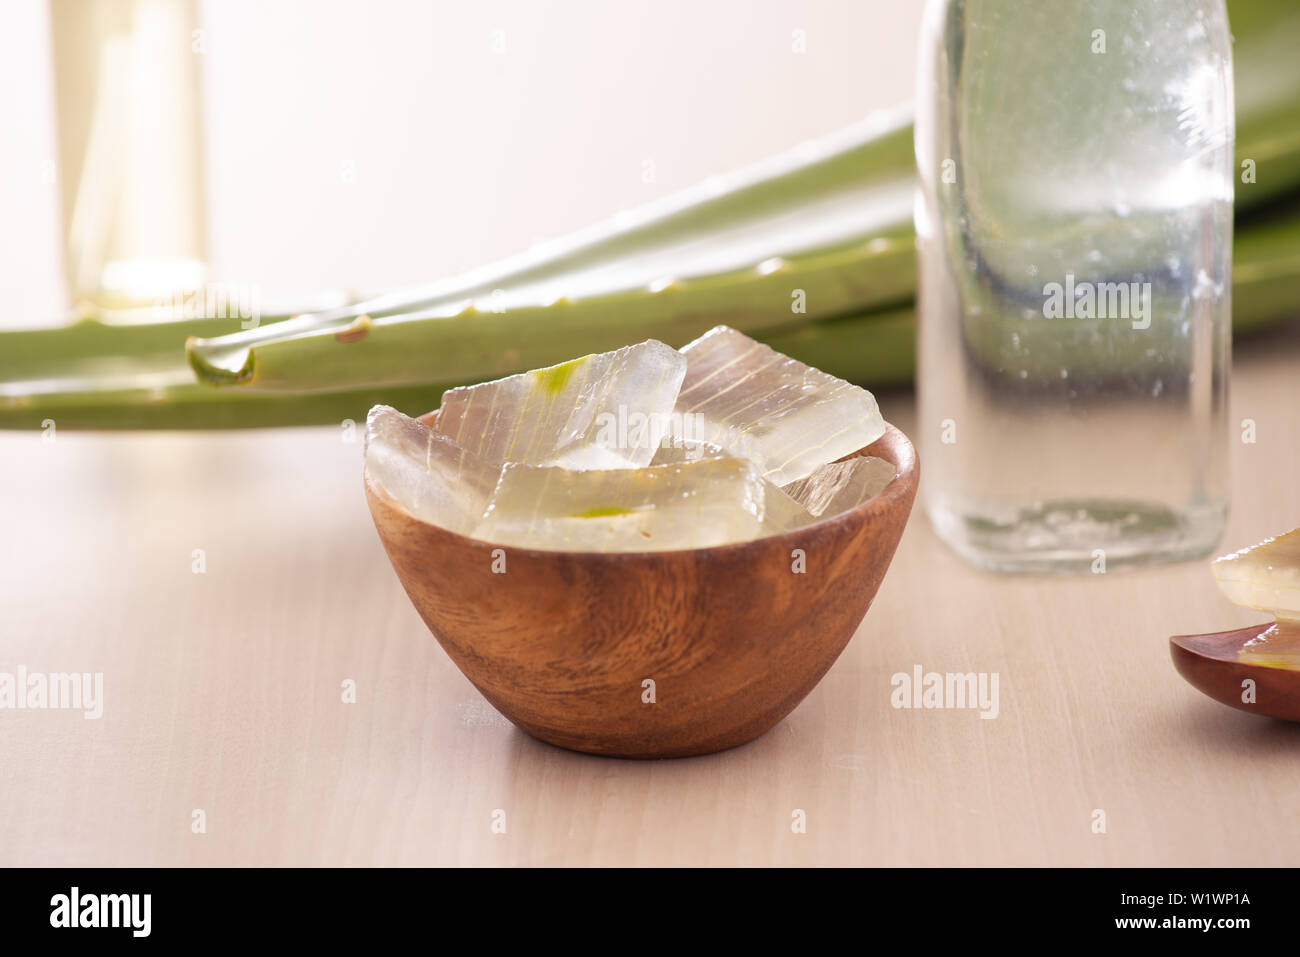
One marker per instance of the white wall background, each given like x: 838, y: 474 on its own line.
x: 460, y: 153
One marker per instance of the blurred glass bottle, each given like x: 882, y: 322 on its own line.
x: 1074, y: 229
x: 126, y: 76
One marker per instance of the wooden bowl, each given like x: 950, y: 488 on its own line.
x: 651, y: 654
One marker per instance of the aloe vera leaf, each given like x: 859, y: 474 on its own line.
x: 874, y: 348
x: 171, y: 399
x: 148, y: 397
x: 1268, y: 122
x: 1268, y: 87
x: 877, y: 350
x: 470, y: 347
x: 27, y: 352
x: 874, y: 154
x: 876, y: 151
x: 1266, y: 268
x: 1265, y: 35
x: 128, y: 334
x: 464, y: 343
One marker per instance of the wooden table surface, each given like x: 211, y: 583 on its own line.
x: 223, y: 691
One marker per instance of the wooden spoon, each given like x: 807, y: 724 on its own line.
x: 1210, y: 664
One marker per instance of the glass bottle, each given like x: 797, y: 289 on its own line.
x: 127, y: 85
x: 1074, y: 232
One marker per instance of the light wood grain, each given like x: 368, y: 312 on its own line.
x: 222, y: 691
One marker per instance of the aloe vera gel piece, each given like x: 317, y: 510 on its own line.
x: 640, y: 449
x: 1266, y: 577
x: 839, y: 486
x: 756, y: 403
x: 678, y: 451
x: 600, y: 411
x: 710, y: 502
x: 430, y: 475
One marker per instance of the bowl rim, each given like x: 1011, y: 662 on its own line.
x: 901, y: 488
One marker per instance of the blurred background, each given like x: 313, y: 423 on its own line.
x: 368, y: 147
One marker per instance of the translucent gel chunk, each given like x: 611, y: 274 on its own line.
x: 713, y: 501
x: 787, y: 417
x: 1265, y: 576
x: 781, y: 513
x: 680, y: 451
x: 426, y: 472
x: 840, y: 486
x: 1279, y: 647
x: 600, y: 411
